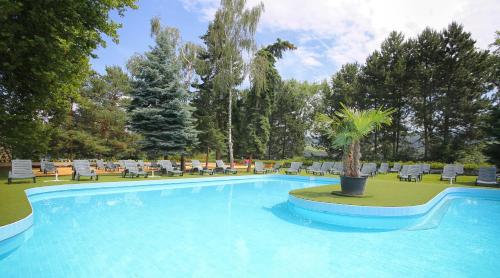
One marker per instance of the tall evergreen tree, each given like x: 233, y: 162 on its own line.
x: 96, y: 126
x: 159, y: 108
x: 394, y: 56
x: 425, y: 59
x: 259, y: 99
x: 290, y: 119
x: 345, y: 89
x: 211, y: 105
x: 464, y: 71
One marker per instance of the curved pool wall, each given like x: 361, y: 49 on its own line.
x: 54, y: 191
x: 425, y: 216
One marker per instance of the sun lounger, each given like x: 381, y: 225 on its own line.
x: 110, y: 166
x: 384, y: 168
x: 449, y: 173
x: 259, y: 168
x: 396, y: 168
x: 404, y: 174
x: 132, y: 169
x: 220, y: 166
x: 487, y: 176
x: 195, y: 166
x: 99, y: 164
x: 325, y: 168
x: 426, y: 168
x: 167, y: 168
x: 276, y: 168
x: 316, y: 166
x: 338, y: 168
x: 294, y: 168
x: 81, y: 168
x: 21, y: 169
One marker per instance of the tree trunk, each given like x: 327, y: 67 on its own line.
x: 249, y: 166
x: 351, y: 159
x: 206, y: 158
x: 229, y: 129
x: 183, y: 163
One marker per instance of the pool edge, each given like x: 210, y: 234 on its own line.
x: 19, y: 226
x: 382, y: 218
x: 380, y: 210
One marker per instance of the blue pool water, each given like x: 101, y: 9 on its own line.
x: 239, y: 228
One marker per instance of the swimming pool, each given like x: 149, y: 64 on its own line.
x: 237, y: 227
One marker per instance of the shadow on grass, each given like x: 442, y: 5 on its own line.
x: 334, y: 194
x: 281, y: 211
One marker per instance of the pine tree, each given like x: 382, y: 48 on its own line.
x: 464, y: 71
x: 290, y: 119
x: 210, y: 113
x: 426, y: 56
x: 259, y: 99
x: 159, y: 108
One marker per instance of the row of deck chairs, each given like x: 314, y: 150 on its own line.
x: 397, y: 167
x: 411, y: 173
x: 486, y: 175
x: 321, y: 168
x: 220, y: 167
x: 260, y: 169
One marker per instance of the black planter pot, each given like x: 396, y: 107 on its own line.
x: 352, y: 185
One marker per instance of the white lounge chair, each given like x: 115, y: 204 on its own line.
x: 487, y: 176
x: 316, y: 166
x: 294, y: 168
x: 21, y: 169
x: 132, y: 170
x: 449, y: 173
x: 81, y: 168
x: 167, y: 168
x: 220, y: 166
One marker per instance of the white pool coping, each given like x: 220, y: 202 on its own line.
x: 15, y: 228
x: 367, y: 211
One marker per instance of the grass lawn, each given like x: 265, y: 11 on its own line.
x: 383, y: 190
x: 14, y: 204
x: 386, y: 191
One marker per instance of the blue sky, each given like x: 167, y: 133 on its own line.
x: 328, y: 33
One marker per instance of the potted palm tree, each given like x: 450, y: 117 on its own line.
x: 346, y: 130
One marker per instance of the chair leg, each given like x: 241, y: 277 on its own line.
x: 34, y: 179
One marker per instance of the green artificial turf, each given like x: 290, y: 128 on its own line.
x: 386, y: 191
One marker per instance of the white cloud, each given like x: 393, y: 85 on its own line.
x: 307, y: 57
x: 349, y: 30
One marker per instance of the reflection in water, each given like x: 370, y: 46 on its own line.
x: 10, y: 245
x: 84, y: 199
x: 133, y: 199
x: 258, y: 184
x: 196, y: 190
x: 167, y: 192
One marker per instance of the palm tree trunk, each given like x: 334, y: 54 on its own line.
x: 351, y: 158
